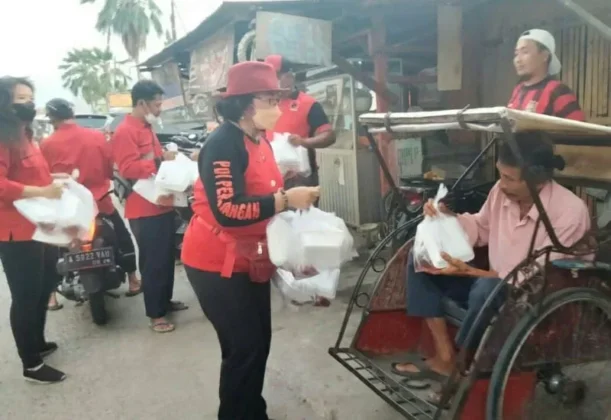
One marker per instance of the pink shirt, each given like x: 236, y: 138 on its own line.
x: 498, y: 225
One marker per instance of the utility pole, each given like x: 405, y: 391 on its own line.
x: 173, y: 19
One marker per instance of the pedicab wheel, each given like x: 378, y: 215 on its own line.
x: 570, y: 366
x: 97, y: 305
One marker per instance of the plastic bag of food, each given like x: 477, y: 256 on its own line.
x: 70, y: 216
x: 174, y: 175
x: 435, y: 235
x: 309, y: 239
x: 151, y: 192
x: 323, y: 284
x: 290, y: 158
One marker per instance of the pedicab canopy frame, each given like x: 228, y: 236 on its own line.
x: 489, y: 386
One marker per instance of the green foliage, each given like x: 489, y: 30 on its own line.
x: 92, y: 73
x: 132, y: 20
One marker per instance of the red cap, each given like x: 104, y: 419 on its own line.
x: 251, y: 77
x: 275, y: 61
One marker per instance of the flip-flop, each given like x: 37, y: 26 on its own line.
x: 176, y: 306
x: 55, y: 307
x: 424, y: 372
x: 132, y: 293
x: 162, y: 327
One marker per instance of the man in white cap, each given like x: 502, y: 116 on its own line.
x: 539, y: 91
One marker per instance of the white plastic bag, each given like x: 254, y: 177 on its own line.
x: 287, y: 156
x: 150, y: 191
x: 290, y: 158
x: 174, y: 175
x: 441, y: 233
x: 323, y: 284
x: 309, y: 239
x: 76, y: 209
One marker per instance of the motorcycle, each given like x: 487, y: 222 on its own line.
x: 90, y: 269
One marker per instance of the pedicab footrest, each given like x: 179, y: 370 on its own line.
x: 406, y: 401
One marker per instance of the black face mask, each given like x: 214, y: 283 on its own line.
x: 25, y: 112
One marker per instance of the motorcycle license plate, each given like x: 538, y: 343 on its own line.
x: 97, y: 258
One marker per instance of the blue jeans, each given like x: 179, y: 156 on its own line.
x: 425, y: 294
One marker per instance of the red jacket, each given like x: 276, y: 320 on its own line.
x: 20, y: 165
x: 73, y: 147
x: 135, y: 147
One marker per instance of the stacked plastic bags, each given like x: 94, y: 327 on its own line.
x: 304, y: 242
x: 174, y: 177
x: 290, y: 158
x: 70, y: 217
x: 439, y: 234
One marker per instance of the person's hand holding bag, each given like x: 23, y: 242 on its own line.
x: 302, y: 198
x: 429, y: 209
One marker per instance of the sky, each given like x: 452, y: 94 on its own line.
x: 39, y: 33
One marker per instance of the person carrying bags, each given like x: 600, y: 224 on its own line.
x: 225, y: 248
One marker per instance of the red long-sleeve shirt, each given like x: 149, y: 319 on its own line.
x: 21, y: 165
x: 135, y: 147
x: 73, y: 147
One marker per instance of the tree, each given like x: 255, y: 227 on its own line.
x: 132, y: 20
x: 92, y: 73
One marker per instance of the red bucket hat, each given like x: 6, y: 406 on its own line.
x: 251, y: 77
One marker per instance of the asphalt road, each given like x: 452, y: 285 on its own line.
x: 125, y: 371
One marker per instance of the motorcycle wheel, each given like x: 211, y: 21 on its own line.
x: 97, y: 305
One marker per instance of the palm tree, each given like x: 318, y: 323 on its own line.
x: 132, y: 20
x: 92, y: 73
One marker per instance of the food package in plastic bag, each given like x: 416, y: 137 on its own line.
x: 76, y: 209
x: 190, y: 167
x: 323, y: 284
x: 150, y: 191
x: 174, y: 175
x: 281, y: 239
x: 309, y: 239
x: 290, y: 158
x: 435, y: 235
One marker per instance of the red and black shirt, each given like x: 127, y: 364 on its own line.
x: 549, y: 97
x: 235, y: 195
x: 304, y: 116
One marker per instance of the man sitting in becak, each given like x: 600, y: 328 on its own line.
x: 505, y: 224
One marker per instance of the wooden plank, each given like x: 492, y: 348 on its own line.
x: 581, y: 58
x: 449, y: 47
x: 567, y: 75
x: 605, y: 52
x: 575, y: 63
x: 587, y: 98
x: 596, y: 75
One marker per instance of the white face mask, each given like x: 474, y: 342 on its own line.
x: 151, y: 119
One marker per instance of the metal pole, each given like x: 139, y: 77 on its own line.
x: 587, y: 17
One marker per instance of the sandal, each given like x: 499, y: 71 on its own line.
x: 55, y: 307
x: 162, y: 327
x: 176, y: 306
x: 424, y: 372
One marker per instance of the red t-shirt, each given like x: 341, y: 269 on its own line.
x: 73, y: 147
x: 234, y: 194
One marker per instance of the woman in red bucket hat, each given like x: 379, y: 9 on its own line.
x: 225, y: 248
